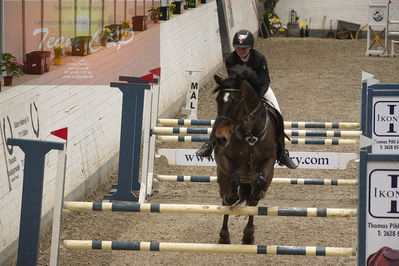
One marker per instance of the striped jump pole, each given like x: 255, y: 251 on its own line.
x: 275, y: 180
x: 301, y: 141
x: 289, y: 132
x: 209, y: 209
x: 287, y: 124
x: 209, y: 248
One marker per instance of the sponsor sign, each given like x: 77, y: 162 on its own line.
x: 311, y: 160
x: 385, y: 125
x: 382, y: 217
x: 21, y: 120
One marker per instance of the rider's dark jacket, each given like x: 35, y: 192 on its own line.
x: 256, y: 62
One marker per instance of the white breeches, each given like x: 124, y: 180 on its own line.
x: 270, y: 97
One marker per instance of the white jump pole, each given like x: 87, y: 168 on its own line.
x: 58, y: 206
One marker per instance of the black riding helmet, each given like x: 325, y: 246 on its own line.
x: 243, y: 39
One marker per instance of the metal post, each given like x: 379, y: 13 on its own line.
x: 130, y: 142
x: 32, y: 194
x: 1, y: 27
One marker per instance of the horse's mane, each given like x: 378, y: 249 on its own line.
x: 243, y: 72
x: 237, y: 73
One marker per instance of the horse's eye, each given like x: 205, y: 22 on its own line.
x: 236, y: 98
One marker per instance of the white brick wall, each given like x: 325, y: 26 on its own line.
x: 355, y: 11
x: 190, y: 41
x: 244, y: 16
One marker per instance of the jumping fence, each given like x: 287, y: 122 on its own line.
x: 383, y: 158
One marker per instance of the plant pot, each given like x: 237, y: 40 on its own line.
x: 110, y: 44
x: 139, y: 23
x: 57, y: 60
x: 155, y: 20
x: 185, y: 7
x: 8, y: 81
x: 80, y: 45
x: 165, y: 13
x: 103, y: 42
x: 178, y: 7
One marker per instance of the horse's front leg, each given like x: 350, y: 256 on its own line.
x: 229, y: 193
x: 258, y: 190
x: 224, y: 235
x: 261, y: 184
x: 228, y: 187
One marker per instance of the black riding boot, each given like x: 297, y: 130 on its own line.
x: 207, y: 148
x: 283, y: 155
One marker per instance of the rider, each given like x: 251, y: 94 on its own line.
x: 244, y: 54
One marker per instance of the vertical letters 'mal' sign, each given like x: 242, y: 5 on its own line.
x: 385, y: 125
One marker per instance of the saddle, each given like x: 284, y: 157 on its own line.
x: 385, y: 256
x: 277, y: 119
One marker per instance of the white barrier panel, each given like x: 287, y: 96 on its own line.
x: 311, y: 160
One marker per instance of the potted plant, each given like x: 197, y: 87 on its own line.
x: 125, y: 28
x: 106, y: 36
x: 58, y: 55
x: 192, y: 3
x: 154, y: 14
x: 172, y: 8
x: 10, y: 65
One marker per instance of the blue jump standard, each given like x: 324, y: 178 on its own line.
x: 130, y: 141
x: 32, y: 194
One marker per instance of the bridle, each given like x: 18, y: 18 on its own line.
x: 250, y: 138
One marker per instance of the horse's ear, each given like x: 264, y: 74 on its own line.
x: 218, y: 79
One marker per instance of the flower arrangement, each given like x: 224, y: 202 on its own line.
x: 125, y: 24
x: 172, y: 8
x: 154, y: 13
x: 106, y: 36
x: 58, y: 55
x: 10, y: 65
x: 58, y: 51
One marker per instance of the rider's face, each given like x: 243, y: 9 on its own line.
x: 243, y: 52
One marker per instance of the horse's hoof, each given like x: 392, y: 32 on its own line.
x: 248, y: 240
x: 224, y: 241
x: 231, y: 199
x: 256, y: 196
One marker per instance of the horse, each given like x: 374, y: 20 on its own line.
x: 245, y: 145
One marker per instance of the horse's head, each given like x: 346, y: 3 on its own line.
x: 236, y: 100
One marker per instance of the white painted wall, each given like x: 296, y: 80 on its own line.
x: 190, y: 41
x: 244, y: 16
x: 355, y: 11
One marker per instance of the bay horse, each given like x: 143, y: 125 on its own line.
x: 245, y: 133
